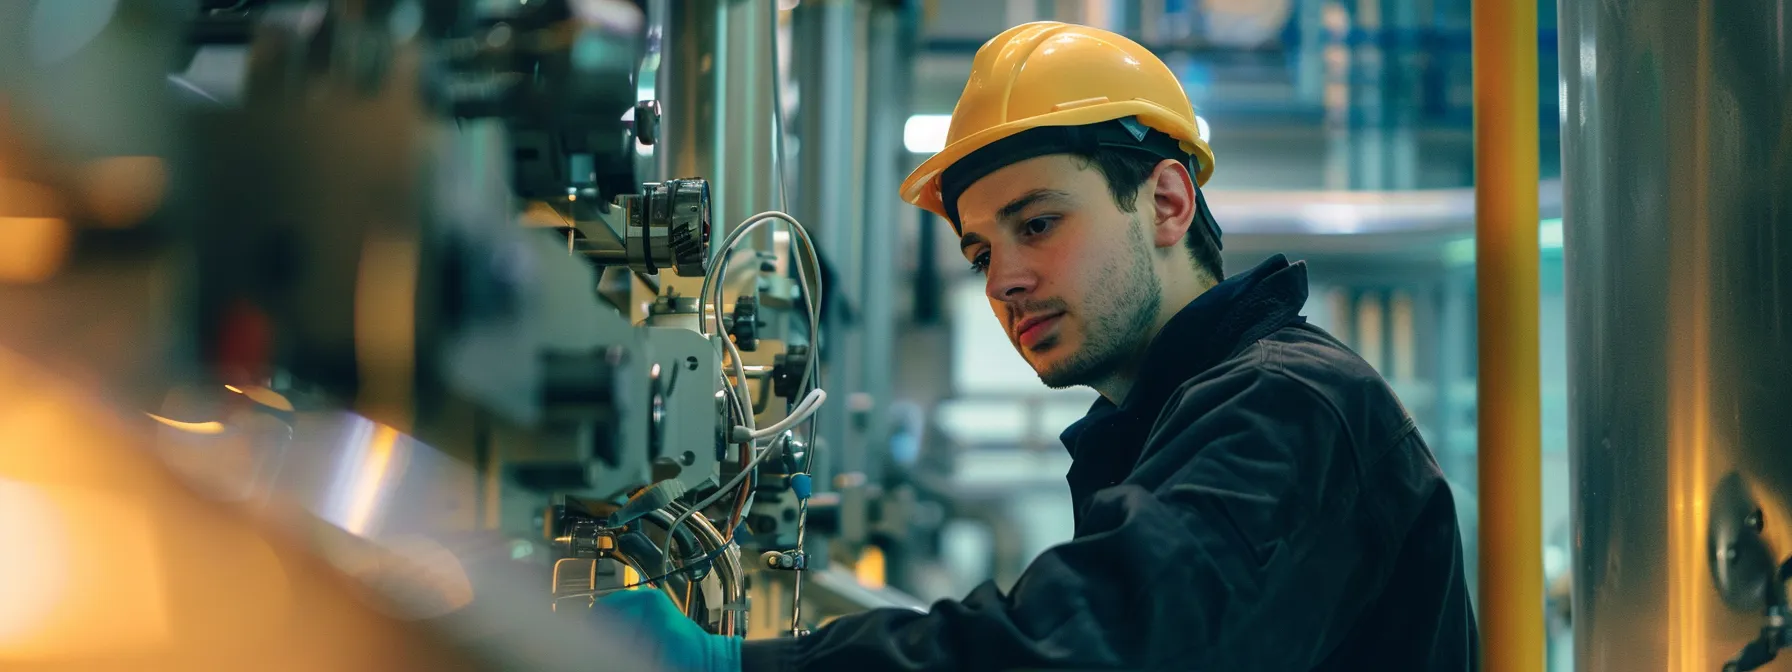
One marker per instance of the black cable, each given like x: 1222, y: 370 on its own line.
x: 687, y: 567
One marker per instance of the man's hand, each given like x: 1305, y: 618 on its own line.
x: 678, y: 642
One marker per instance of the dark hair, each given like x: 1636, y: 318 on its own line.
x: 1126, y: 172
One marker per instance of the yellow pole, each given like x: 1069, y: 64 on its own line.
x: 1507, y: 258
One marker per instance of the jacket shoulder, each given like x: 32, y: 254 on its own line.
x: 1370, y: 409
x: 1307, y: 362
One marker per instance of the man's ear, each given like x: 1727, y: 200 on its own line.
x: 1173, y: 203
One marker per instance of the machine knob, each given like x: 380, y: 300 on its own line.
x: 647, y: 121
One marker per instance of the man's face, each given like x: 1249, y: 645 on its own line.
x: 1069, y: 274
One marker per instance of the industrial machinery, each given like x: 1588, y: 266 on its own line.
x: 420, y: 260
x: 635, y: 439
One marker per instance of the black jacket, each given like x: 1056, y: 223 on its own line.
x: 1260, y: 502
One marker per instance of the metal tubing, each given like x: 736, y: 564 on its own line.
x: 717, y: 82
x: 1506, y: 274
x: 887, y: 108
x: 825, y: 59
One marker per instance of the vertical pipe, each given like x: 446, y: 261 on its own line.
x: 1676, y: 153
x: 717, y: 85
x: 826, y: 62
x: 887, y: 109
x: 1506, y: 274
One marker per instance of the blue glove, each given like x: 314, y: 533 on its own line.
x: 680, y: 644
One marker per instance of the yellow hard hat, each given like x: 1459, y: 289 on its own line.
x: 1050, y: 75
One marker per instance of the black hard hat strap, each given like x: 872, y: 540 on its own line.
x: 1126, y: 134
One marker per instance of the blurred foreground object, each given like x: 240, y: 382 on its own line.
x: 364, y: 299
x: 108, y: 561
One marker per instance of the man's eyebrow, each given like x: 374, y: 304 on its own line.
x: 1014, y: 207
x: 968, y: 240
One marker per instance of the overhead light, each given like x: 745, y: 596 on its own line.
x: 1201, y: 128
x: 926, y: 133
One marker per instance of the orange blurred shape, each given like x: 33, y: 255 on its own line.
x: 869, y: 570
x: 103, y: 561
x: 69, y: 582
x: 266, y: 397
x: 122, y: 190
x: 32, y: 249
x: 34, y: 236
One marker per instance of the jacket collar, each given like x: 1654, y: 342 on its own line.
x: 1216, y: 325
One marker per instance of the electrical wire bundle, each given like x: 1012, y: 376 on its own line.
x: 747, y: 435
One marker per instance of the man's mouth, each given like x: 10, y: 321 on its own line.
x: 1034, y: 329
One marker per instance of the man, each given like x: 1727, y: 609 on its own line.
x: 1249, y: 494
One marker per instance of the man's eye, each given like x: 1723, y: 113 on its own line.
x: 980, y: 263
x: 1038, y: 225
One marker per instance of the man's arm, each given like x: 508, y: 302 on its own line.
x: 1249, y: 556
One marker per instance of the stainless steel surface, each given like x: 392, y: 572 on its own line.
x: 114, y: 560
x: 886, y: 108
x: 826, y: 35
x: 1677, y: 157
x: 716, y: 83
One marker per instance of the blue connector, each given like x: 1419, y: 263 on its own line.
x: 800, y: 484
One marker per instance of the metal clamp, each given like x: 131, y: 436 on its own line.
x: 669, y: 226
x: 793, y: 560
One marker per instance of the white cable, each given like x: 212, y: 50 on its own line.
x: 758, y: 456
x: 713, y: 300
x: 807, y: 407
x: 804, y: 409
x: 802, y: 412
x: 715, y: 273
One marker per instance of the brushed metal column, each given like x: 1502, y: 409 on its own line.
x: 1677, y: 167
x: 826, y: 58
x: 717, y: 86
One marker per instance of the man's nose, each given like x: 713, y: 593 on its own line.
x: 1009, y: 278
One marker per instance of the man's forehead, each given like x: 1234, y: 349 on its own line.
x: 1041, y: 178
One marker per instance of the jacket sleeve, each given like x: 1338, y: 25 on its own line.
x: 1245, y: 557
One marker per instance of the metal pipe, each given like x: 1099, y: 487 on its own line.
x: 1676, y: 153
x: 887, y: 109
x: 1509, y: 409
x: 825, y: 58
x: 717, y: 84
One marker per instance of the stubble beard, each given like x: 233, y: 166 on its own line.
x: 1117, y: 320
